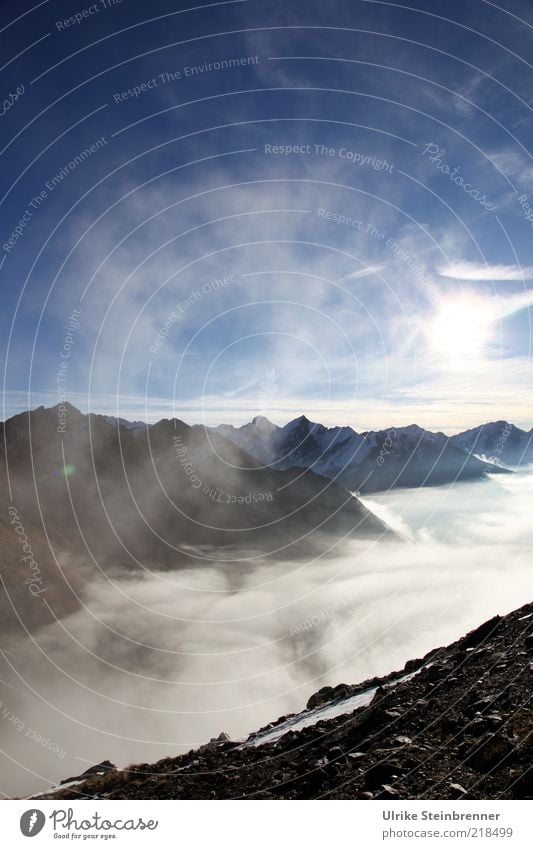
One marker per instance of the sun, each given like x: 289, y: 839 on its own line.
x: 461, y: 328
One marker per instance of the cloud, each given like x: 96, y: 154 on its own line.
x: 363, y: 272
x: 159, y: 662
x: 516, y: 165
x: 463, y: 270
x: 476, y: 390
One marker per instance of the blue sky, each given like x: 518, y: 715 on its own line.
x: 265, y: 207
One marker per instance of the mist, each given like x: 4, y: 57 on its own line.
x: 156, y: 662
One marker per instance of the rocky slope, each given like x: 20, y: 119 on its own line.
x: 455, y: 724
x: 163, y: 486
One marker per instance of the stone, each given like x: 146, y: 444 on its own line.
x: 222, y: 737
x: 387, y: 792
x: 356, y: 756
x: 480, y: 705
x: 493, y: 752
x: 381, y: 773
x: 457, y: 790
x: 450, y: 724
x: 412, y: 665
x: 98, y: 769
x: 478, y: 727
x: 522, y: 787
x: 319, y: 698
x: 329, y: 694
x: 480, y: 635
x: 336, y: 752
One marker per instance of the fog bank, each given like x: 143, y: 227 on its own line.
x: 160, y: 662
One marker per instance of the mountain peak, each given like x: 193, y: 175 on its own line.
x: 263, y: 422
x: 300, y: 421
x: 65, y: 406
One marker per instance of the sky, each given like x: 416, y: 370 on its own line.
x: 241, y: 208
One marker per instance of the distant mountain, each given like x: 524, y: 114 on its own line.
x: 363, y: 462
x: 498, y: 442
x: 159, y: 496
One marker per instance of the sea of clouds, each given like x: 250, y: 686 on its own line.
x: 156, y: 663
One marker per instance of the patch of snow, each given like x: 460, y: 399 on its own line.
x: 306, y: 718
x: 327, y: 711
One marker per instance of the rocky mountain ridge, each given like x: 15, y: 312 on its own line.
x: 380, y: 460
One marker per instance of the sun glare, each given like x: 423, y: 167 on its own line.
x: 461, y: 329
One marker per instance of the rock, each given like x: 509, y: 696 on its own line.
x: 522, y: 787
x: 412, y: 665
x: 387, y: 792
x: 222, y: 737
x: 522, y: 725
x: 379, y: 695
x: 450, y: 725
x: 365, y: 721
x: 98, y: 769
x: 480, y: 705
x: 437, y: 671
x: 214, y: 742
x: 493, y: 751
x: 529, y: 643
x: 433, y: 654
x: 479, y: 635
x: 477, y: 727
x: 366, y: 794
x: 328, y: 694
x: 356, y: 756
x: 336, y: 752
x: 457, y: 791
x: 381, y: 773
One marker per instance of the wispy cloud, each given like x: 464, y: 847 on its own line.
x: 362, y: 272
x: 463, y: 270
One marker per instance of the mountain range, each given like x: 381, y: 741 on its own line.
x: 378, y: 460
x: 92, y: 493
